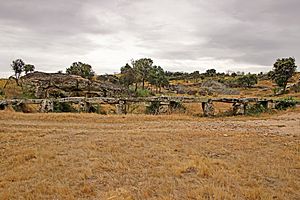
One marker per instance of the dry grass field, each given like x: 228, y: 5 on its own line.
x: 89, y: 156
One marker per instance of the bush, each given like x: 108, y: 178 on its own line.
x: 255, y: 109
x: 277, y: 90
x: 96, y: 109
x: 248, y: 80
x: 153, y: 108
x: 63, y: 107
x: 143, y: 93
x: 177, y: 106
x: 284, y: 104
x: 28, y: 95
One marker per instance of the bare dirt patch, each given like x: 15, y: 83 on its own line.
x: 89, y: 156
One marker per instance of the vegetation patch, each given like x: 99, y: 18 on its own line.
x: 286, y: 103
x: 63, y: 107
x: 256, y: 109
x: 153, y: 108
x: 177, y: 106
x: 143, y: 93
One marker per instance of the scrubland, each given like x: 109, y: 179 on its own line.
x: 90, y: 156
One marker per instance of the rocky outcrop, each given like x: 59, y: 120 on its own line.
x: 213, y: 87
x: 206, y: 88
x: 44, y: 85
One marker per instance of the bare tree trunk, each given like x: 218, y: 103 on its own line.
x: 17, y: 79
x: 143, y: 84
x: 136, y: 86
x: 284, y: 88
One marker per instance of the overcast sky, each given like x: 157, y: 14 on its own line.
x: 181, y: 35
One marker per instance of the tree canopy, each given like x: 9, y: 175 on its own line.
x: 81, y: 69
x: 247, y: 80
x: 141, y: 71
x: 127, y: 75
x: 283, y: 70
x: 157, y: 77
x: 18, y: 67
x: 142, y: 68
x: 211, y: 72
x: 28, y: 68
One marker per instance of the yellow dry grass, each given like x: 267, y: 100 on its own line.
x: 89, y: 156
x: 11, y: 90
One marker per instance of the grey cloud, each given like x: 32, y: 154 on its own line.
x: 247, y: 32
x: 254, y: 32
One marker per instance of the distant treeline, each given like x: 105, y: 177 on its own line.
x: 136, y: 74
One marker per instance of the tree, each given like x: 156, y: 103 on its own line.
x: 283, y: 70
x: 127, y: 75
x: 18, y: 67
x: 81, y: 69
x: 157, y: 77
x: 142, y: 68
x: 247, y: 80
x: 233, y: 74
x: 195, y: 75
x: 28, y: 68
x: 211, y: 72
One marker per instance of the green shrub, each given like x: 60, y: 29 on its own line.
x: 153, y: 108
x: 279, y: 91
x: 286, y: 103
x: 248, y: 80
x: 28, y: 95
x: 140, y: 92
x: 96, y: 109
x: 63, y: 107
x: 255, y: 109
x: 177, y: 106
x: 143, y: 93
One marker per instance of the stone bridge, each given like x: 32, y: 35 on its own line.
x: 239, y: 104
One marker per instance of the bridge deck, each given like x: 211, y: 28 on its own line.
x: 110, y: 100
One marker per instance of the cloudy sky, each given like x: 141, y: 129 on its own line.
x: 181, y: 35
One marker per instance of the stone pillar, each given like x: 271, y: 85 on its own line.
x: 84, y: 106
x: 121, y: 108
x: 46, y: 106
x: 208, y: 108
x: 271, y: 105
x: 239, y: 108
x: 163, y: 108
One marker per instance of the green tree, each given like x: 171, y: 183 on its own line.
x: 157, y: 77
x: 81, y: 69
x: 18, y: 67
x: 247, y: 80
x: 195, y: 75
x: 211, y: 72
x: 283, y: 70
x: 28, y: 68
x: 142, y: 68
x: 127, y: 75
